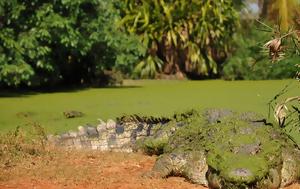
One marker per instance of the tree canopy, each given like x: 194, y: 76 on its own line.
x: 54, y: 42
x: 61, y: 41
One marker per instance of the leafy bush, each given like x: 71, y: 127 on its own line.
x: 63, y: 41
x: 247, y: 69
x: 249, y: 63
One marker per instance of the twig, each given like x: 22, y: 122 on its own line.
x: 290, y: 33
x: 265, y: 25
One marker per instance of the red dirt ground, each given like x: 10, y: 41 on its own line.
x: 92, y: 170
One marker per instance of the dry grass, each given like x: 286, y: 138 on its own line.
x: 19, y: 145
x: 282, y: 111
x: 86, y: 169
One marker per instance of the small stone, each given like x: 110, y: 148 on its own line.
x: 111, y: 124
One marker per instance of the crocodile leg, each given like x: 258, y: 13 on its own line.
x: 168, y: 165
x: 196, y: 168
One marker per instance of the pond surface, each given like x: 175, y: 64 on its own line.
x: 147, y: 97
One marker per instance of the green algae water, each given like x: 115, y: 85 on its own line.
x: 146, y: 97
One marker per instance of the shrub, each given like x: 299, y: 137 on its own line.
x: 249, y: 63
x: 247, y: 69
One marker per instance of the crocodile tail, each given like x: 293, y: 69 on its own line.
x: 106, y: 136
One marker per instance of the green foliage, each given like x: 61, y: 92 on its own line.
x: 61, y: 41
x: 191, y: 37
x: 148, y: 67
x: 248, y: 62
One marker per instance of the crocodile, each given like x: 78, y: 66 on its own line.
x: 216, y: 148
x: 230, y: 151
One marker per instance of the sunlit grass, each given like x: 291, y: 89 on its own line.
x: 156, y: 98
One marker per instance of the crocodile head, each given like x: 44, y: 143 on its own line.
x: 240, y: 153
x: 243, y: 155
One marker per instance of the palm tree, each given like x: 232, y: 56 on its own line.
x: 182, y: 36
x: 282, y: 12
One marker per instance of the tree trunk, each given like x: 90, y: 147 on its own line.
x: 264, y: 8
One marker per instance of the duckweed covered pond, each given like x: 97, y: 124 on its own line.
x: 147, y: 97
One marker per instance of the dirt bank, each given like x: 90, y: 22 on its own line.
x: 76, y: 170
